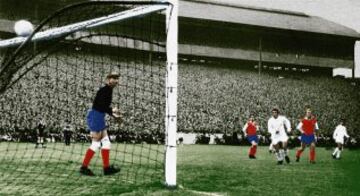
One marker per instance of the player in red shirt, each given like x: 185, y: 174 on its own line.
x: 307, y: 126
x: 249, y: 130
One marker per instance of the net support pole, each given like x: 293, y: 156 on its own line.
x: 356, y: 68
x: 171, y: 93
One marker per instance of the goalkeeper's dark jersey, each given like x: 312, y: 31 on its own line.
x: 103, y: 99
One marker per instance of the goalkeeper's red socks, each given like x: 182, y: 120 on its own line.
x: 88, y: 156
x: 105, y: 154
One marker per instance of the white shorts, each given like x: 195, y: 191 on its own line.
x: 279, y: 138
x: 339, y: 140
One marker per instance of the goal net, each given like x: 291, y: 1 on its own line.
x: 52, y: 76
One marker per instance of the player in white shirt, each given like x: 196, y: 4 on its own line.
x: 338, y: 135
x: 279, y: 137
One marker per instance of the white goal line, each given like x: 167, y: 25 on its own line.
x: 59, y: 31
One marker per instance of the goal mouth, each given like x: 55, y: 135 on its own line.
x: 55, y: 27
x: 54, y: 74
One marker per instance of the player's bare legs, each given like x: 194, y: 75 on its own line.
x: 300, y: 151
x: 97, y: 136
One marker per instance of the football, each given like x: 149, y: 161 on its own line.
x: 23, y: 28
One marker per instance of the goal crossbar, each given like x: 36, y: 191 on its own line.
x: 88, y: 24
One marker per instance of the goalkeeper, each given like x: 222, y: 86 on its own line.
x: 96, y: 125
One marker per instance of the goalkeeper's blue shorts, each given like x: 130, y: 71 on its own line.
x: 252, y: 138
x: 307, y: 139
x: 95, y: 120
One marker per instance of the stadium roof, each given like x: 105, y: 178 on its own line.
x: 262, y: 17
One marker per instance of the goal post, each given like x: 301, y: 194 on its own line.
x: 171, y: 93
x: 84, y: 43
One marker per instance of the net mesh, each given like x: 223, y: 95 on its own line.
x: 55, y: 80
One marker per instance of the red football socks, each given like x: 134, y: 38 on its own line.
x: 88, y: 156
x: 105, y: 153
x: 252, y: 150
x: 312, y: 154
x: 298, y: 153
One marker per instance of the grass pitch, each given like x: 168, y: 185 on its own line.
x: 202, y: 170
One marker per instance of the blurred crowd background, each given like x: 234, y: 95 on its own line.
x: 213, y: 98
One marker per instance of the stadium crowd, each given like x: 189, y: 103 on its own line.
x: 215, y: 99
x: 212, y: 99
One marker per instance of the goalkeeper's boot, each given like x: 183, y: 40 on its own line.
x: 287, y: 159
x: 86, y: 171
x: 111, y: 170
